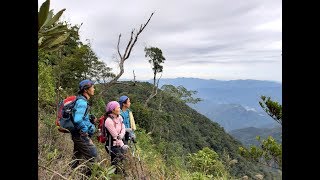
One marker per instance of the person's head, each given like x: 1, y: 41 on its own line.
x: 124, y: 101
x: 86, y: 88
x: 113, y: 107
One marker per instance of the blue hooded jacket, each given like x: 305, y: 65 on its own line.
x: 82, y: 123
x: 125, y: 117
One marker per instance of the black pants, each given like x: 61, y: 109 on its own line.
x: 82, y: 149
x: 117, y: 157
x: 126, y: 138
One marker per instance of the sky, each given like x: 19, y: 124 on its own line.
x: 207, y: 39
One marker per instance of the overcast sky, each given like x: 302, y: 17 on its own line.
x: 209, y: 39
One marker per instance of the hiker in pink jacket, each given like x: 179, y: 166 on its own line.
x: 117, y: 130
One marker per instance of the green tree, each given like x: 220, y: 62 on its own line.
x: 46, y: 85
x: 207, y: 162
x: 155, y: 58
x: 97, y: 70
x: 182, y: 93
x: 100, y: 72
x: 71, y: 63
x: 272, y: 108
x: 76, y: 61
x: 269, y: 152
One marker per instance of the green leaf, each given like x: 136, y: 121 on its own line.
x: 59, y: 40
x: 63, y: 27
x: 56, y: 17
x: 46, y: 41
x: 55, y: 48
x: 111, y: 170
x: 49, y: 16
x: 43, y: 13
x: 40, y: 41
x: 56, y: 33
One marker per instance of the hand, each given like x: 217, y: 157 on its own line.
x: 125, y: 148
x: 90, y: 134
x: 92, y: 118
x: 133, y: 138
x: 119, y: 137
x: 128, y: 130
x: 90, y: 141
x: 91, y: 129
x: 83, y: 133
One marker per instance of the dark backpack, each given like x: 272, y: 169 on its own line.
x: 64, y: 121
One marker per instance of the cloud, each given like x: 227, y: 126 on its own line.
x: 242, y: 39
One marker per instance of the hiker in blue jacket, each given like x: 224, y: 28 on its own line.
x: 128, y: 119
x: 83, y: 145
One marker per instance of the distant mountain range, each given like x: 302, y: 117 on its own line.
x: 233, y: 104
x: 244, y: 92
x: 234, y: 116
x: 247, y: 136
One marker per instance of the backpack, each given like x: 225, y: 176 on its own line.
x: 104, y: 135
x: 64, y: 121
x: 102, y: 130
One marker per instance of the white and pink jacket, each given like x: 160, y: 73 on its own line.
x: 116, y: 128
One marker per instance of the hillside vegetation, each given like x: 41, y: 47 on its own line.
x: 169, y: 134
x: 248, y: 135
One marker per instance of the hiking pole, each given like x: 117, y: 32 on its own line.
x: 132, y: 151
x: 132, y: 147
x: 139, y: 160
x: 135, y: 147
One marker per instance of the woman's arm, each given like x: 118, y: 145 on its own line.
x: 110, y: 125
x: 123, y: 130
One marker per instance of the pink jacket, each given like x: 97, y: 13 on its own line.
x: 116, y: 128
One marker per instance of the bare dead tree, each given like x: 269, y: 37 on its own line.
x: 134, y: 78
x: 154, y: 92
x: 126, y: 55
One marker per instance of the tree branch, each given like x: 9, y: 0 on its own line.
x: 134, y: 78
x: 118, y: 46
x: 154, y: 92
x: 136, y: 37
x: 126, y: 54
x: 158, y: 80
x: 129, y: 43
